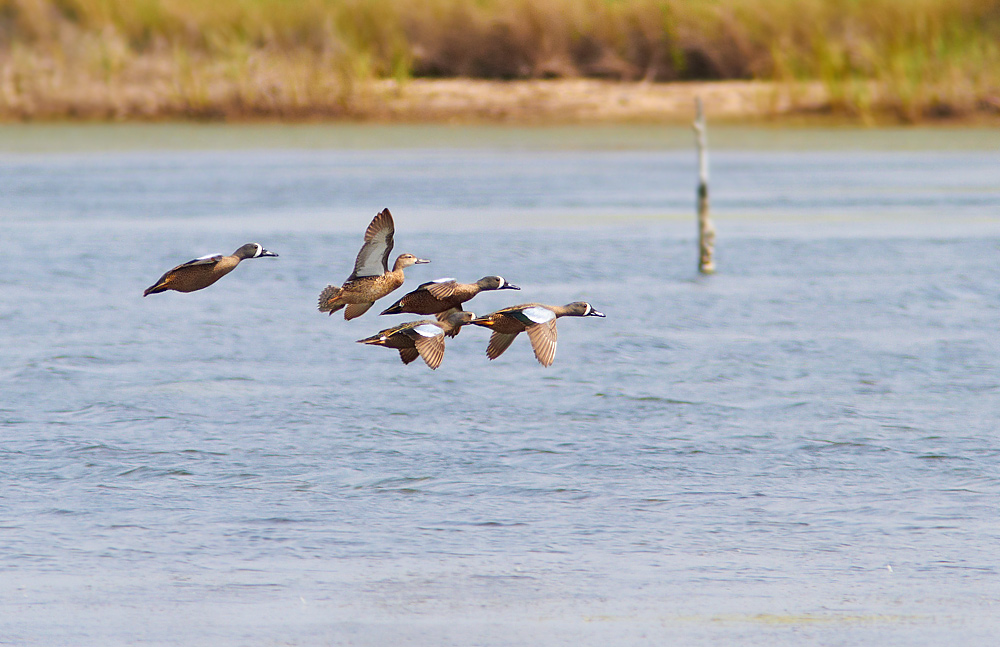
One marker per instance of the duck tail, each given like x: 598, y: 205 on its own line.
x: 374, y: 340
x: 394, y: 309
x: 329, y: 293
x: 154, y: 289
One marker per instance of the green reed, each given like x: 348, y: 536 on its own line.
x: 908, y: 59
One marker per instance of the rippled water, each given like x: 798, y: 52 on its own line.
x: 802, y: 449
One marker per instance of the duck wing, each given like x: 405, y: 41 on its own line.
x: 373, y: 259
x: 543, y: 341
x: 382, y: 336
x: 511, y: 310
x: 208, y: 259
x: 531, y: 314
x: 355, y: 310
x: 403, y: 329
x: 440, y: 288
x: 408, y: 354
x: 499, y: 342
x: 428, y: 337
x: 431, y: 349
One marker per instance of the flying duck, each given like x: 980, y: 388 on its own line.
x: 205, y: 270
x: 442, y: 296
x: 371, y: 279
x: 538, y: 320
x: 424, y: 338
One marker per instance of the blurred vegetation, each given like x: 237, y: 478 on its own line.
x: 911, y: 59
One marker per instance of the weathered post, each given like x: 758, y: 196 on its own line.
x: 706, y: 230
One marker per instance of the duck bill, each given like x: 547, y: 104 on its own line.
x: 595, y: 313
x: 510, y: 286
x: 265, y: 252
x: 420, y: 261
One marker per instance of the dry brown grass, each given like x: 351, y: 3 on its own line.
x: 905, y: 60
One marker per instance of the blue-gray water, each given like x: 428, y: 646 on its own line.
x: 801, y: 449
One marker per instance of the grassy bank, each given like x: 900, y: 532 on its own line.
x: 905, y: 60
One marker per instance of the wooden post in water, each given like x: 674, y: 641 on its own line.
x: 706, y: 230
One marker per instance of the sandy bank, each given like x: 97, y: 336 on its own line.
x: 155, y: 96
x: 587, y: 100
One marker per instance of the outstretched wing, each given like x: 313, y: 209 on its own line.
x: 499, y: 342
x: 355, y: 310
x: 428, y: 337
x: 373, y: 259
x: 440, y: 288
x: 408, y: 354
x: 543, y: 340
x: 431, y: 349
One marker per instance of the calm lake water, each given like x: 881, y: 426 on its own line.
x: 801, y: 449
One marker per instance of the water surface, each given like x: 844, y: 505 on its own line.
x: 800, y: 449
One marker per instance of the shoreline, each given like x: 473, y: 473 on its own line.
x: 590, y: 101
x: 520, y: 102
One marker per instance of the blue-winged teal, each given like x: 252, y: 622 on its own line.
x: 205, y: 270
x: 440, y: 297
x: 424, y: 338
x: 371, y: 279
x: 538, y: 320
